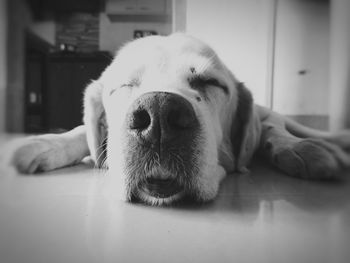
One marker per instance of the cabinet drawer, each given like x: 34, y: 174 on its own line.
x: 151, y: 7
x: 136, y: 7
x: 121, y: 6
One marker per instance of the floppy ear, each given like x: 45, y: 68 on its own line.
x: 95, y: 123
x: 245, y: 130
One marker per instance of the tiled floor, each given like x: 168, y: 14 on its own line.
x: 264, y: 216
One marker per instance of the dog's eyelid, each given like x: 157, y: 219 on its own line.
x: 125, y: 85
x: 112, y: 91
x: 121, y: 86
x: 197, y: 81
x: 130, y: 84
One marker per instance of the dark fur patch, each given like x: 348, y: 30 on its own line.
x: 242, y: 118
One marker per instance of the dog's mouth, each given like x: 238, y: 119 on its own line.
x: 159, y: 191
x: 161, y: 188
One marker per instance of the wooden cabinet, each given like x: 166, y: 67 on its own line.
x: 134, y: 7
x: 67, y: 78
x: 40, y: 8
x: 35, y: 71
x: 139, y: 10
x: 36, y: 52
x: 55, y: 84
x: 151, y: 6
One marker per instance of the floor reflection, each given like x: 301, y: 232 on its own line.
x: 262, y: 216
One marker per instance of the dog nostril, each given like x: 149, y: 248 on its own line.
x: 140, y: 120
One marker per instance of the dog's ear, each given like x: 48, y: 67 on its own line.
x: 245, y: 128
x: 95, y: 123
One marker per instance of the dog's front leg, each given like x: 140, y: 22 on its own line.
x: 311, y: 157
x: 50, y: 151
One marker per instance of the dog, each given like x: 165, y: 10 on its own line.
x: 170, y: 121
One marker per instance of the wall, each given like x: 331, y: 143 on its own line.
x: 340, y: 65
x: 240, y: 32
x: 45, y: 29
x: 302, y: 57
x: 179, y: 15
x: 80, y: 30
x: 112, y: 34
x: 115, y: 34
x: 18, y: 20
x: 3, y: 61
x: 266, y: 53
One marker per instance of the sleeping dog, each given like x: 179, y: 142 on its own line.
x: 169, y: 120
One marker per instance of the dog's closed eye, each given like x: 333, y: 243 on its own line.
x: 200, y: 83
x: 130, y: 84
x: 127, y: 85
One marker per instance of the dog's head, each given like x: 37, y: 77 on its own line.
x: 170, y: 120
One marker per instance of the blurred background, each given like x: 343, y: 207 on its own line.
x: 292, y: 54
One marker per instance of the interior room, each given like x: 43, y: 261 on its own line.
x: 293, y: 56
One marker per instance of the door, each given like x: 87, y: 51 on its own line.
x: 301, y: 68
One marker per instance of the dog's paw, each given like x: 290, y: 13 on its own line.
x: 37, y: 154
x: 311, y: 159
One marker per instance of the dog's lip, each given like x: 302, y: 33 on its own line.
x: 161, y: 188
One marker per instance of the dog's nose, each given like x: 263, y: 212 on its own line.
x: 158, y: 117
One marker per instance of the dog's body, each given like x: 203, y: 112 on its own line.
x: 170, y: 120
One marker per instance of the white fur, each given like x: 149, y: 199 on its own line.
x: 166, y: 68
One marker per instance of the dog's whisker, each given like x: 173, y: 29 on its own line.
x: 102, y: 147
x: 103, y: 144
x: 179, y: 164
x: 102, y: 154
x: 103, y: 163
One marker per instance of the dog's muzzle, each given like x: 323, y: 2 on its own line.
x: 162, y: 133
